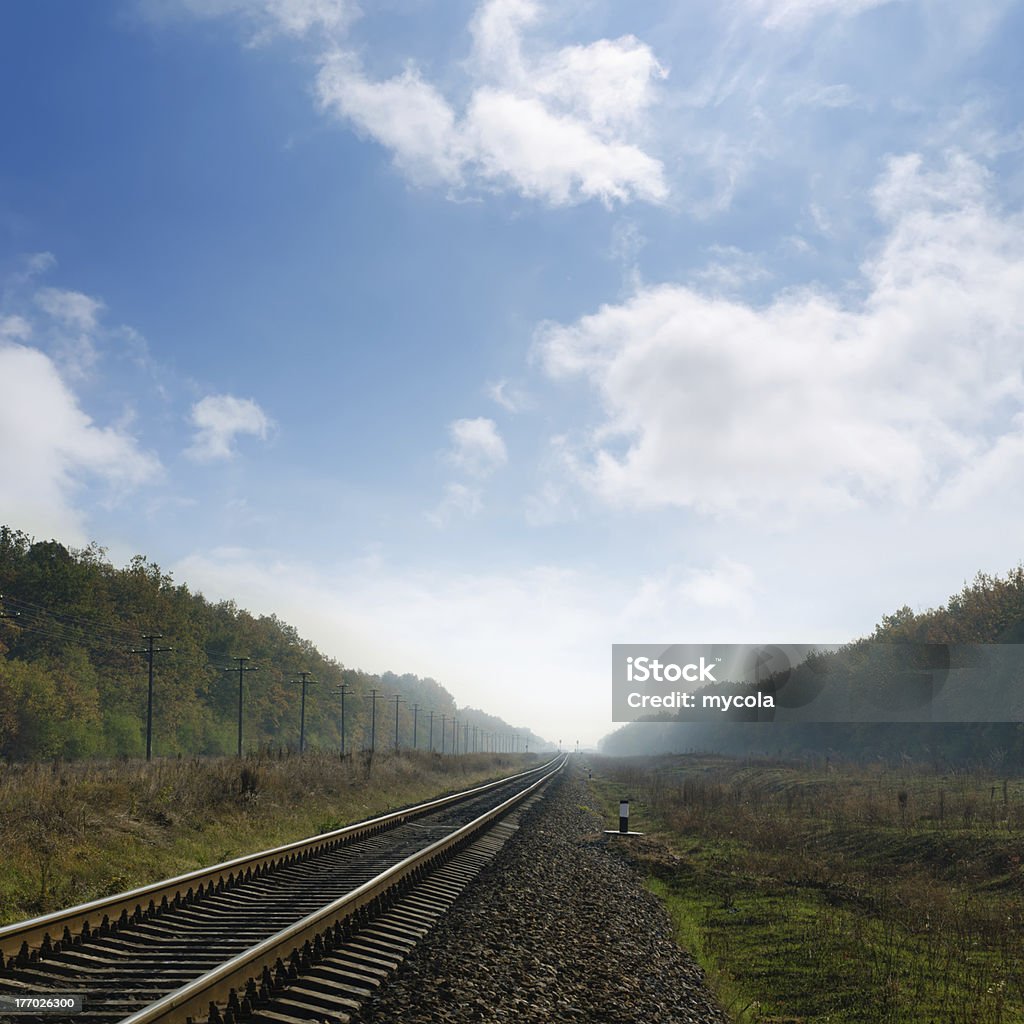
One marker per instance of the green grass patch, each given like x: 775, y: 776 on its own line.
x: 801, y: 915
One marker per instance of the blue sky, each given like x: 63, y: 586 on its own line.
x: 474, y: 337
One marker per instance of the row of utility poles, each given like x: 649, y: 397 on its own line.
x: 474, y: 738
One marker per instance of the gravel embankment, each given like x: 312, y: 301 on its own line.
x: 556, y: 929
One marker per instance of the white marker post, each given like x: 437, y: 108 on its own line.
x: 623, y: 822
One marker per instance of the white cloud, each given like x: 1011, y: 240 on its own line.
x: 15, y: 328
x: 608, y: 83
x: 72, y: 308
x: 295, y: 18
x: 460, y: 501
x: 796, y: 13
x: 701, y: 591
x: 49, y: 448
x: 789, y: 87
x: 731, y: 269
x: 562, y: 125
x: 726, y: 584
x: 510, y: 398
x: 548, y: 505
x: 71, y: 334
x: 518, y: 142
x: 553, y: 500
x: 477, y: 447
x: 827, y: 97
x: 218, y: 420
x: 405, y: 114
x: 808, y: 403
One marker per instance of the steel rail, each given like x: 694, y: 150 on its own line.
x: 33, y: 932
x: 194, y: 1000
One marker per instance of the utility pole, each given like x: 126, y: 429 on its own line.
x: 149, y: 650
x: 455, y: 735
x: 415, y: 716
x: 242, y: 669
x: 343, y: 689
x: 305, y: 680
x: 398, y: 700
x: 373, y: 720
x: 431, y: 744
x: 444, y: 719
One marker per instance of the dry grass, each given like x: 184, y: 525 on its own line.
x: 75, y: 832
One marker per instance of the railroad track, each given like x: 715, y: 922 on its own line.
x: 301, y: 932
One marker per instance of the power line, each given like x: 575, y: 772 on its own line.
x: 374, y: 697
x: 305, y: 680
x: 66, y: 622
x: 343, y: 689
x: 149, y: 651
x: 242, y: 669
x: 415, y: 717
x: 398, y: 700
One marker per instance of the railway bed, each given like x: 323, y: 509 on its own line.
x: 303, y: 931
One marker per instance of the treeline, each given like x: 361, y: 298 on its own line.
x: 73, y: 682
x: 990, y: 609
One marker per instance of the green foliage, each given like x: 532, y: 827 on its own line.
x: 73, y: 682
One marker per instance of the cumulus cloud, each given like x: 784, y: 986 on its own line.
x: 50, y: 448
x: 559, y: 125
x: 219, y: 420
x: 405, y: 114
x: 810, y: 402
x: 477, y: 447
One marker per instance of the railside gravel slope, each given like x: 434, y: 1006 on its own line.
x: 557, y: 928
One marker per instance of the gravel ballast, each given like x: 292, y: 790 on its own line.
x: 557, y: 928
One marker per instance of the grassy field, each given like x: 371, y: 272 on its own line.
x: 75, y: 832
x: 831, y: 893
